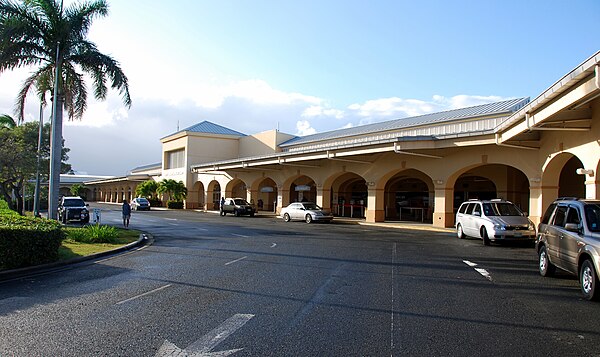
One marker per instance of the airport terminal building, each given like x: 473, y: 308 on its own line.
x: 412, y: 169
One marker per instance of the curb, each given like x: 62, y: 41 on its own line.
x: 143, y: 240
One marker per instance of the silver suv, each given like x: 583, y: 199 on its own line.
x: 569, y: 238
x: 493, y: 221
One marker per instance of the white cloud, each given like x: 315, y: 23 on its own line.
x: 304, y: 128
x: 319, y: 111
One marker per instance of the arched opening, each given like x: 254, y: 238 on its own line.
x: 487, y: 182
x: 560, y: 179
x: 213, y: 195
x: 267, y: 195
x: 409, y: 197
x: 349, y: 195
x: 303, y: 189
x: 237, y: 189
x: 570, y: 184
x: 196, y: 197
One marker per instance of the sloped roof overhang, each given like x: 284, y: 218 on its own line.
x: 560, y: 107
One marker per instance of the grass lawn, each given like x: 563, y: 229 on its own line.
x: 72, y: 249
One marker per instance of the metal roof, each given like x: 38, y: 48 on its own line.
x: 210, y: 128
x: 497, y: 108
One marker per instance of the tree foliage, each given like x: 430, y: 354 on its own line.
x: 77, y: 189
x: 147, y: 189
x: 31, y: 31
x: 18, y: 160
x: 176, y: 190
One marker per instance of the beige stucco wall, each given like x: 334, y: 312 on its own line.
x: 262, y: 143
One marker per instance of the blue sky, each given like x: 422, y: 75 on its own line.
x: 312, y: 66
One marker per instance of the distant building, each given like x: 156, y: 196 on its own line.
x: 419, y: 168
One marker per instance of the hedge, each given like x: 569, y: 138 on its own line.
x: 175, y: 204
x: 27, y: 241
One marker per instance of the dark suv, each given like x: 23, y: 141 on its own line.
x: 237, y: 206
x: 73, y: 209
x: 569, y: 238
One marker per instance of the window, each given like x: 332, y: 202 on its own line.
x: 560, y: 215
x: 477, y: 209
x: 548, y: 213
x: 463, y: 208
x: 573, y: 216
x: 175, y: 159
x: 470, y: 208
x: 592, y: 214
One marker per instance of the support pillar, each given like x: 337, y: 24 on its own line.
x: 443, y: 213
x: 375, y: 205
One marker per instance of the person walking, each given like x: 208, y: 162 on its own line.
x: 126, y: 213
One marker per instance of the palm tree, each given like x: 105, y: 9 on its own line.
x: 175, y: 190
x: 40, y: 34
x: 6, y: 121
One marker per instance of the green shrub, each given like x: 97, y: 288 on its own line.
x: 93, y: 234
x: 154, y: 202
x: 3, y: 204
x: 175, y: 204
x: 27, y: 241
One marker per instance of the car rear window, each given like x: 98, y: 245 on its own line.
x: 592, y: 215
x: 240, y: 202
x: 470, y: 208
x: 463, y: 208
x: 501, y: 209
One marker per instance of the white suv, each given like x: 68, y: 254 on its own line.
x: 492, y: 221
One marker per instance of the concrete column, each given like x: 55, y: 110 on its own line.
x: 283, y: 198
x: 536, y: 207
x: 591, y: 188
x: 375, y: 205
x: 324, y: 198
x: 443, y: 213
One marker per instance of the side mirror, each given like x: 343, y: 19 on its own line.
x: 572, y: 227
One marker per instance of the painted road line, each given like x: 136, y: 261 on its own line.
x: 204, y: 345
x: 144, y: 294
x: 240, y: 235
x: 235, y: 261
x: 481, y: 271
x: 273, y: 245
x: 484, y: 273
x: 171, y: 219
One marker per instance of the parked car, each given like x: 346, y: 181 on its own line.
x: 493, y: 221
x: 569, y: 238
x: 237, y: 206
x: 140, y: 204
x: 73, y: 208
x: 305, y: 211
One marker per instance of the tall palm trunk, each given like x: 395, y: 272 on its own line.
x: 55, y: 142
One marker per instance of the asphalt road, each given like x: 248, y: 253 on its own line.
x: 262, y: 287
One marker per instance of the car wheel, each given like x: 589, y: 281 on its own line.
x: 588, y: 279
x: 237, y: 213
x: 485, y: 237
x: 286, y: 217
x: 546, y: 268
x: 459, y: 231
x: 308, y: 218
x: 252, y: 214
x: 223, y: 213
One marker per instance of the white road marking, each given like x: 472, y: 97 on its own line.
x: 144, y: 294
x: 481, y: 271
x: 273, y: 245
x: 240, y: 235
x: 171, y: 219
x: 484, y: 273
x: 204, y: 345
x: 235, y: 261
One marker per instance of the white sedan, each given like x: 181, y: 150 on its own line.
x: 305, y: 211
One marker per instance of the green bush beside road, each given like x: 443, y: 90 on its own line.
x: 26, y: 241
